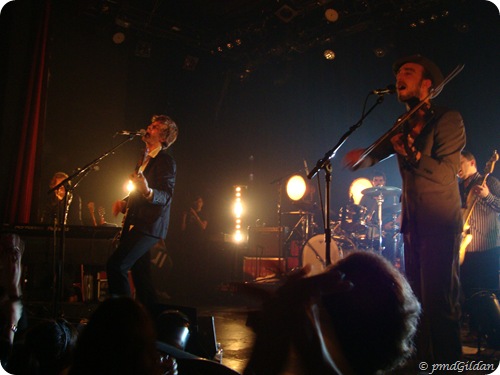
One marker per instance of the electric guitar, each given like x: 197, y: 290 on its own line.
x: 471, y: 203
x: 126, y: 221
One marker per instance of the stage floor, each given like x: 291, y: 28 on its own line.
x: 230, y: 312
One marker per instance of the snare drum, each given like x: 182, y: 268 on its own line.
x: 313, y: 253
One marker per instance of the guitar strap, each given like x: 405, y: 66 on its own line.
x: 466, y: 187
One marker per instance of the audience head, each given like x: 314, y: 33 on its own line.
x: 49, y: 346
x: 375, y: 322
x: 118, y: 339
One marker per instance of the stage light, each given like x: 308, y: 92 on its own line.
x: 238, y: 236
x: 129, y: 186
x: 380, y: 52
x: 296, y: 187
x: 238, y: 208
x: 329, y: 54
x: 118, y: 37
x: 357, y: 186
x: 331, y: 15
x: 238, y: 213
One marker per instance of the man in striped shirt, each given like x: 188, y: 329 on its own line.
x: 479, y: 270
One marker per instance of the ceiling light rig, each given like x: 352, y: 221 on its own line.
x: 429, y: 19
x: 227, y: 46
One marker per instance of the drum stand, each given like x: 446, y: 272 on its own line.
x: 379, y: 199
x: 303, y: 227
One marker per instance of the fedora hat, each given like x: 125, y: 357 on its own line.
x: 432, y: 69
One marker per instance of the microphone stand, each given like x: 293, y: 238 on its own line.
x: 325, y: 164
x: 60, y: 257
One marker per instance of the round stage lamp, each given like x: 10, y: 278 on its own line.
x: 296, y: 187
x: 357, y: 186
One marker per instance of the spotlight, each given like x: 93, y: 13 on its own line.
x: 380, y: 52
x: 329, y: 54
x: 357, y: 186
x: 129, y: 186
x: 118, y: 37
x: 331, y: 15
x: 238, y: 213
x: 296, y: 187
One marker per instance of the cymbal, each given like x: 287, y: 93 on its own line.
x: 384, y: 190
x: 297, y: 213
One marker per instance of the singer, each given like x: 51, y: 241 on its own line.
x: 147, y: 214
x: 428, y: 152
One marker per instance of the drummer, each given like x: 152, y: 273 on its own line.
x: 390, y: 203
x: 391, y: 216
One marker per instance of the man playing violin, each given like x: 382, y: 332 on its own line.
x: 427, y: 146
x: 147, y: 210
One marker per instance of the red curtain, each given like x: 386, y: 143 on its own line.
x: 33, y: 120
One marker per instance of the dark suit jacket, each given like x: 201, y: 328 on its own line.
x: 152, y: 218
x: 430, y: 199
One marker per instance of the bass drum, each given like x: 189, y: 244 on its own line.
x: 313, y: 252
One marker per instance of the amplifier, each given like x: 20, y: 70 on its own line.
x: 265, y: 241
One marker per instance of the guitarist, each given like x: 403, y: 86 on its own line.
x: 480, y: 268
x: 148, y: 214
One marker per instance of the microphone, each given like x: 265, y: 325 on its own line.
x: 141, y: 132
x: 390, y: 89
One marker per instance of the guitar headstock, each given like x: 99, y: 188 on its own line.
x: 490, y: 165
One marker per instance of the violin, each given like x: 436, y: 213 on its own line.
x: 404, y: 122
x: 413, y: 127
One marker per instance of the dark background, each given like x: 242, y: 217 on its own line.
x: 251, y: 115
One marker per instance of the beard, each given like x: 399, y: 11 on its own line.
x: 411, y: 96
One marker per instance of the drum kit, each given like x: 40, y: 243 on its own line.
x: 356, y: 228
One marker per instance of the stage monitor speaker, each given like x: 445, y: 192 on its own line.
x: 484, y: 310
x: 265, y: 241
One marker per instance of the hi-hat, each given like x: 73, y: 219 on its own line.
x: 378, y: 190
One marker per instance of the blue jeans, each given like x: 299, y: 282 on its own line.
x: 133, y: 254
